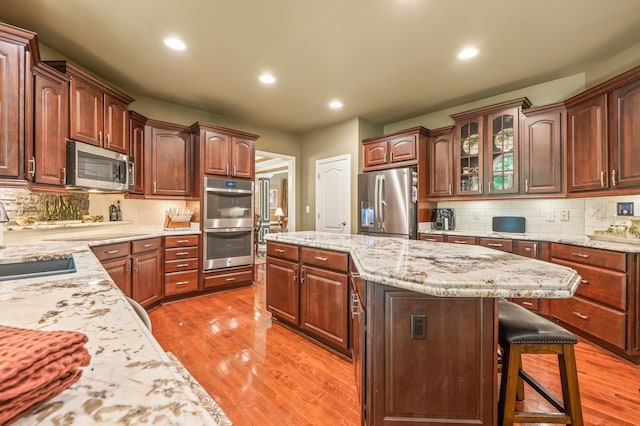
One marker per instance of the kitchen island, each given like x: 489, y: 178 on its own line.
x: 430, y: 320
x: 130, y: 379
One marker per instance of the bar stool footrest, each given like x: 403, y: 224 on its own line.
x: 554, y: 418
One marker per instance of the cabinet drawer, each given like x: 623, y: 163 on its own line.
x: 588, y: 256
x: 180, y: 253
x: 180, y: 282
x: 460, y: 240
x: 181, y: 241
x: 527, y: 248
x: 595, y: 319
x: 325, y: 258
x: 141, y: 246
x: 497, y: 244
x: 111, y: 251
x: 530, y: 303
x: 601, y: 285
x: 180, y: 265
x: 432, y: 237
x: 284, y: 251
x: 234, y: 277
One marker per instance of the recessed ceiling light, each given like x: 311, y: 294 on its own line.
x: 468, y: 53
x: 336, y: 104
x: 174, y: 43
x: 267, y: 78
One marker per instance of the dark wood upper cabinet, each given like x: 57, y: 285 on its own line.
x: 625, y: 134
x: 18, y: 50
x: 136, y: 150
x: 469, y: 155
x: 98, y: 112
x: 225, y: 152
x: 541, y: 151
x: 168, y: 159
x: 47, y: 159
x: 441, y: 163
x: 587, y: 151
x: 396, y: 149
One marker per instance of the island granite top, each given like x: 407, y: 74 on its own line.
x: 441, y: 269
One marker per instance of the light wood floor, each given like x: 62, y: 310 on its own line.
x: 262, y: 373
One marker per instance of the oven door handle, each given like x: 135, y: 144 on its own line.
x: 229, y: 190
x: 227, y: 230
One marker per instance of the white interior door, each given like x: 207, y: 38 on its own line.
x: 333, y: 194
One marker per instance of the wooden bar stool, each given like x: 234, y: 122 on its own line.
x: 523, y: 332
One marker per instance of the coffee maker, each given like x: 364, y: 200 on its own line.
x: 443, y: 219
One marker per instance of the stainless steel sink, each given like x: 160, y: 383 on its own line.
x: 36, y: 268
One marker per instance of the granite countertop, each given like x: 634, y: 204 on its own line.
x: 130, y: 379
x: 552, y: 238
x: 442, y: 269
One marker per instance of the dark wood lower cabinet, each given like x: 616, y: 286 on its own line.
x: 430, y: 360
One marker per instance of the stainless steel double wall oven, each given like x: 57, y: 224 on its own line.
x: 228, y: 223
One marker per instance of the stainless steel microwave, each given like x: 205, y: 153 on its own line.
x: 92, y: 167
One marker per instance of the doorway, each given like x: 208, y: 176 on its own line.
x: 275, y: 194
x: 333, y: 194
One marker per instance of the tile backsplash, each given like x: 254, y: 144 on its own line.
x: 570, y: 217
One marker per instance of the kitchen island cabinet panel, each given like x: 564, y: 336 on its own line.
x: 409, y: 333
x: 324, y: 306
x: 283, y: 290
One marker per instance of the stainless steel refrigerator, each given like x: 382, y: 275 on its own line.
x: 387, y: 200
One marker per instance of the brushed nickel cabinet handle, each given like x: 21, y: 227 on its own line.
x: 535, y: 250
x: 112, y: 251
x: 226, y: 169
x: 494, y: 244
x: 602, y: 178
x: 147, y: 245
x: 279, y: 250
x: 32, y: 172
x: 355, y: 274
x: 526, y: 185
x: 182, y: 241
x: 108, y: 140
x: 182, y: 253
x: 449, y: 189
x: 481, y: 188
x: 181, y: 283
x: 235, y: 169
x: 579, y: 315
x: 391, y: 157
x: 321, y: 259
x: 488, y: 187
x: 154, y: 187
x: 128, y: 265
x: 613, y: 177
x: 100, y: 136
x: 230, y: 279
x: 135, y: 264
x: 460, y: 242
x: 584, y: 281
x: 64, y: 175
x: 182, y: 265
x: 430, y: 239
x: 584, y: 256
x: 527, y: 303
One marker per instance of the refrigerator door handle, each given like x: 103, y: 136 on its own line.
x: 382, y: 203
x: 376, y: 203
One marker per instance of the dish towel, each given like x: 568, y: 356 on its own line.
x: 37, y: 365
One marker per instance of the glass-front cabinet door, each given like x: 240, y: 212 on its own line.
x: 502, y: 150
x: 469, y: 170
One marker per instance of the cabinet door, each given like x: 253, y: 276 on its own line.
x: 147, y: 278
x: 217, y: 151
x: 502, y: 152
x: 469, y: 157
x: 171, y: 157
x: 120, y: 272
x: 282, y: 290
x: 440, y: 165
x: 402, y: 149
x: 86, y: 112
x: 136, y: 151
x: 116, y: 119
x: 625, y: 134
x: 541, y: 153
x: 243, y: 158
x: 50, y: 130
x: 587, y: 152
x: 12, y: 65
x: 374, y: 154
x: 324, y: 307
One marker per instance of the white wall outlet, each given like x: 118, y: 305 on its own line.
x: 551, y: 216
x: 564, y: 216
x: 142, y: 214
x: 306, y: 209
x: 476, y: 215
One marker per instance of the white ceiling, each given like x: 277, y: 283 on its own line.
x: 385, y: 59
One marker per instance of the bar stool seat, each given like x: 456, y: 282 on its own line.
x: 524, y: 332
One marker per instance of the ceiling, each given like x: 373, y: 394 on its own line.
x: 386, y: 60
